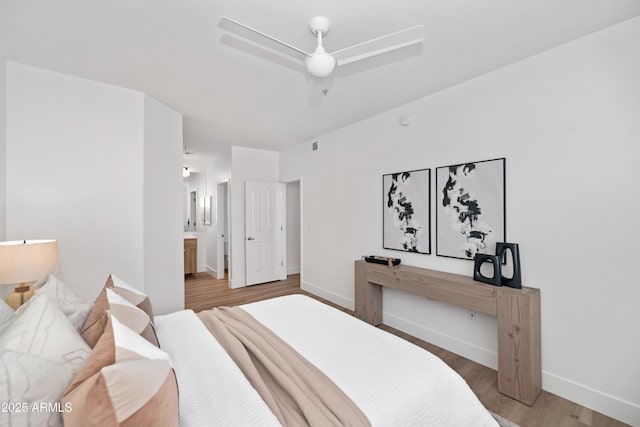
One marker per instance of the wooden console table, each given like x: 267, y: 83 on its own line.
x: 517, y: 310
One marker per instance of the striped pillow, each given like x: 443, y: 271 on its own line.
x: 126, y: 312
x: 131, y: 294
x: 126, y: 382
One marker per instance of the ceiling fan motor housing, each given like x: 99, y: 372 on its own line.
x: 319, y: 24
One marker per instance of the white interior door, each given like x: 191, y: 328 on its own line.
x: 265, y: 238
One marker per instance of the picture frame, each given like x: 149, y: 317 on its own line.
x: 470, y: 208
x: 406, y: 211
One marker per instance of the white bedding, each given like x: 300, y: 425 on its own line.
x: 211, y: 388
x: 394, y: 382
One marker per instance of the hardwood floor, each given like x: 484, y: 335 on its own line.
x: 203, y: 292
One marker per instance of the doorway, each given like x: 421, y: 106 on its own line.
x: 223, y: 231
x: 265, y: 238
x: 293, y: 227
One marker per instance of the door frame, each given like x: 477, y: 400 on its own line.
x: 299, y: 179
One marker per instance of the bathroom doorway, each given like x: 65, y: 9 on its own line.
x: 223, y: 231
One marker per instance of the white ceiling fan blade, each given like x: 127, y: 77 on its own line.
x: 380, y: 45
x: 254, y: 35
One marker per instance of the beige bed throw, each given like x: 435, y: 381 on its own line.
x: 295, y: 390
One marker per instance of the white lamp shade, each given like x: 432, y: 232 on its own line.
x: 26, y: 261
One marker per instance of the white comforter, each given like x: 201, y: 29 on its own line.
x: 394, y: 382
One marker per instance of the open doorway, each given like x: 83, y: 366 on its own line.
x: 223, y: 231
x: 294, y: 230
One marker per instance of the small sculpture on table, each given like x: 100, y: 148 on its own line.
x: 498, y: 260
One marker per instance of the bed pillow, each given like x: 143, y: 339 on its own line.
x: 73, y: 307
x: 41, y: 329
x: 6, y: 315
x: 131, y: 294
x: 132, y: 317
x: 19, y: 372
x: 126, y: 382
x: 126, y: 312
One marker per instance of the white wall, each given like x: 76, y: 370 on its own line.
x: 75, y: 173
x: 3, y: 149
x: 90, y: 164
x: 162, y: 211
x: 567, y: 122
x: 247, y: 164
x: 293, y: 227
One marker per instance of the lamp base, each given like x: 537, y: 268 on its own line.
x: 19, y: 296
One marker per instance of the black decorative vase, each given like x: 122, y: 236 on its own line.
x: 480, y: 259
x: 502, y: 250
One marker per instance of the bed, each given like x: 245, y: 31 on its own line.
x: 193, y: 381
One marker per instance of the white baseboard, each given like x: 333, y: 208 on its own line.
x: 463, y: 348
x: 293, y: 270
x: 237, y: 283
x: 211, y: 271
x: 611, y: 406
x: 328, y: 295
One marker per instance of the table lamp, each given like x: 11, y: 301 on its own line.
x: 25, y: 261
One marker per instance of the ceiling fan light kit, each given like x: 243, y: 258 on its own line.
x: 321, y: 64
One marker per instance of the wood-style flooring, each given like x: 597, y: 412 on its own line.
x: 203, y: 292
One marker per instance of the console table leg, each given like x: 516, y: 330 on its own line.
x: 368, y: 297
x: 519, y: 370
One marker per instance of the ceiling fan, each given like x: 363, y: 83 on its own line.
x: 320, y: 63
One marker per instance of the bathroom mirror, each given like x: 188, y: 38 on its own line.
x: 193, y: 208
x: 206, y: 210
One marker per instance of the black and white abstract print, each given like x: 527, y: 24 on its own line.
x: 406, y: 211
x: 470, y: 215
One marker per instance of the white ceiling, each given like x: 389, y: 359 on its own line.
x: 232, y: 93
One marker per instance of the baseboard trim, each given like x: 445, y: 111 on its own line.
x: 328, y: 295
x: 463, y: 348
x: 237, y: 283
x: 293, y: 270
x: 211, y: 271
x: 611, y: 406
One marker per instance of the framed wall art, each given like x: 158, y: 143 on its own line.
x: 406, y: 211
x: 470, y: 208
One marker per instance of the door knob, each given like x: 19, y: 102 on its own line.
x: 250, y: 238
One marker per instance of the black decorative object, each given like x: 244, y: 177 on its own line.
x: 502, y: 248
x: 391, y: 262
x: 406, y: 210
x: 470, y: 208
x: 480, y: 259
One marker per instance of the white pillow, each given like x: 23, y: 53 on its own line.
x: 73, y: 307
x: 6, y: 315
x: 42, y: 330
x: 26, y: 380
